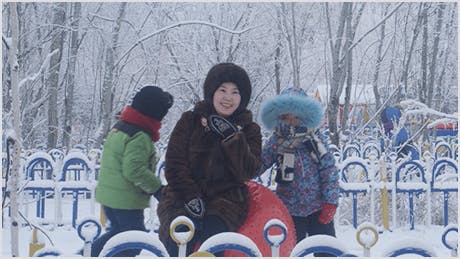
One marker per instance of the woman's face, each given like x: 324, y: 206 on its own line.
x: 226, y: 99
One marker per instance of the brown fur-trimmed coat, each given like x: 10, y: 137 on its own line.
x: 199, y: 164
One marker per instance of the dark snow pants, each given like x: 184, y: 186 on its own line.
x: 204, y: 229
x: 310, y: 225
x: 120, y: 220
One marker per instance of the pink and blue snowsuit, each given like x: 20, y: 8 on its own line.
x: 315, y: 180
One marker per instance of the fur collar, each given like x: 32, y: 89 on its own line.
x: 306, y: 108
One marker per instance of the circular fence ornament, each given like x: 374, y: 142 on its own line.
x: 367, y: 237
x: 89, y: 229
x: 264, y: 205
x: 450, y: 240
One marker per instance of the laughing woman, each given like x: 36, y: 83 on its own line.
x: 213, y: 150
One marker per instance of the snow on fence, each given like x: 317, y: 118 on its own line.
x: 53, y: 177
x: 57, y: 179
x: 366, y: 235
x: 367, y: 175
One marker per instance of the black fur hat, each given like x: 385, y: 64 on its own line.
x: 153, y: 102
x: 227, y: 72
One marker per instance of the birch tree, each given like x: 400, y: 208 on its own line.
x: 16, y: 136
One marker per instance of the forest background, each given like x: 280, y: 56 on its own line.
x: 80, y: 63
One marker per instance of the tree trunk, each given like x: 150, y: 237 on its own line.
x: 277, y: 67
x: 337, y: 74
x: 434, y: 57
x: 109, y: 78
x: 405, y: 73
x: 378, y: 63
x: 293, y: 44
x: 6, y: 77
x: 14, y: 175
x: 440, y: 80
x: 423, y: 84
x: 57, y: 43
x: 349, y: 67
x: 69, y: 91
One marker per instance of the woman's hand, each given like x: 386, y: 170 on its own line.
x: 222, y: 127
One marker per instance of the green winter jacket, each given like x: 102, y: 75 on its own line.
x: 127, y: 178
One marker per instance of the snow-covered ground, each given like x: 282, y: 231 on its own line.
x: 66, y: 239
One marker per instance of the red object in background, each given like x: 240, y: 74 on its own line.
x: 264, y: 205
x: 448, y: 125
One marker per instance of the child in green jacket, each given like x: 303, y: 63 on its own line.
x: 127, y: 178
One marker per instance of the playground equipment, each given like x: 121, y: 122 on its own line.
x: 133, y: 239
x: 354, y: 180
x: 366, y: 243
x: 452, y: 243
x: 441, y: 180
x: 445, y: 180
x: 76, y: 179
x: 410, y: 179
x: 88, y: 236
x: 35, y: 244
x: 366, y: 235
x: 39, y: 183
x: 263, y: 206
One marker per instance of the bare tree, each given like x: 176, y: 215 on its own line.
x: 350, y: 35
x: 434, y: 56
x: 71, y: 71
x: 422, y: 90
x: 408, y: 53
x: 295, y: 22
x: 378, y: 62
x: 17, y: 142
x: 338, y: 71
x: 109, y: 77
x: 445, y: 53
x: 173, y: 44
x: 57, y: 43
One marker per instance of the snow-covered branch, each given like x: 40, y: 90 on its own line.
x: 35, y: 105
x: 413, y: 107
x: 42, y: 67
x: 178, y: 25
x: 371, y: 30
x: 6, y: 41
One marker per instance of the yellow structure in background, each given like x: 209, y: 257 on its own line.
x: 102, y: 216
x: 201, y: 254
x: 34, y: 246
x: 384, y: 191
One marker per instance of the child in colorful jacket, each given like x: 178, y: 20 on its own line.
x: 307, y: 179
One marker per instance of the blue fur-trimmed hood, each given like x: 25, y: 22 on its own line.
x: 295, y: 101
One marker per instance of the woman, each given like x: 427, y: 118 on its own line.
x: 213, y: 150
